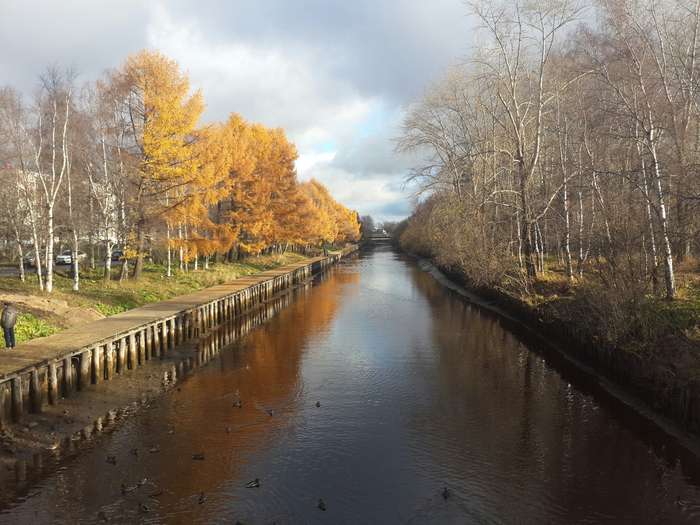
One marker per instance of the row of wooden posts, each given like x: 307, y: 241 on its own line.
x: 209, y: 346
x: 102, y: 361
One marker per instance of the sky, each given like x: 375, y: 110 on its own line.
x: 337, y: 75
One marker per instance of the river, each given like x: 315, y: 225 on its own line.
x: 374, y: 391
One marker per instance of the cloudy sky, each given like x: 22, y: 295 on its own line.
x: 336, y: 74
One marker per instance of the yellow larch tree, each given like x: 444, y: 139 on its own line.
x: 163, y: 114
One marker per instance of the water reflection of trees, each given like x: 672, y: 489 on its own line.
x: 502, y: 410
x: 264, y: 369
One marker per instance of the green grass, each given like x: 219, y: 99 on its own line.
x: 682, y: 314
x: 114, y: 297
x: 30, y: 327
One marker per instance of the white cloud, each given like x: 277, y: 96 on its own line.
x: 334, y: 74
x: 307, y: 162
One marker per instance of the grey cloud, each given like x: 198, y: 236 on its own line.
x: 312, y: 67
x: 369, y: 158
x: 392, y: 211
x: 389, y: 48
x: 84, y: 35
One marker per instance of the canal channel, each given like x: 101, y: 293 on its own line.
x: 377, y: 395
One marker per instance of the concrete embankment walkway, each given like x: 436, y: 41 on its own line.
x: 48, y: 369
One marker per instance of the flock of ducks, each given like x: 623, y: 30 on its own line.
x: 202, y: 498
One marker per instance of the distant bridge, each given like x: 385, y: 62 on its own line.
x: 379, y: 238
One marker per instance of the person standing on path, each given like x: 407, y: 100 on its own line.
x: 7, y: 321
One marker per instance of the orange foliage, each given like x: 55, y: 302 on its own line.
x: 228, y: 186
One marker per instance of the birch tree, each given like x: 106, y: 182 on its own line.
x: 50, y: 148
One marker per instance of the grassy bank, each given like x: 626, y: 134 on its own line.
x: 617, y: 314
x: 39, y: 310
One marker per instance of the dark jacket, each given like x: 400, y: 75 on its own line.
x: 9, y: 317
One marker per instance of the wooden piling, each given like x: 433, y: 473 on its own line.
x: 147, y: 344
x: 68, y: 376
x: 132, y: 357
x: 109, y: 361
x: 164, y: 337
x: 53, y: 383
x: 84, y: 376
x: 155, y: 343
x: 97, y: 360
x: 172, y: 333
x: 122, y: 354
x: 17, y: 399
x: 36, y: 396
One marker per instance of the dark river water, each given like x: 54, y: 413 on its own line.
x: 418, y: 391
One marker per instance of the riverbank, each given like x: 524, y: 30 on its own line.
x: 107, y: 382
x: 45, y: 314
x: 655, y: 356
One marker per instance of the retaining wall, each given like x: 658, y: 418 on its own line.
x: 47, y: 369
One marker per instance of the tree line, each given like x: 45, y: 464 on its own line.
x: 570, y: 138
x: 122, y: 165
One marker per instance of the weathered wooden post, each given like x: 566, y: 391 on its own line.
x: 145, y: 349
x: 53, y: 383
x: 155, y: 342
x: 68, y: 376
x: 164, y: 337
x: 85, y: 367
x: 35, y: 395
x: 123, y: 354
x: 109, y: 361
x: 97, y: 360
x: 132, y: 352
x: 4, y: 392
x: 172, y: 333
x: 17, y: 399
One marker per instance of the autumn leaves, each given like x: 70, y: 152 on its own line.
x: 218, y: 188
x: 123, y: 169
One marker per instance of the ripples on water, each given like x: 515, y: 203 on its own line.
x: 418, y: 391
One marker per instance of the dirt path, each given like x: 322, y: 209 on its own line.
x: 55, y: 311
